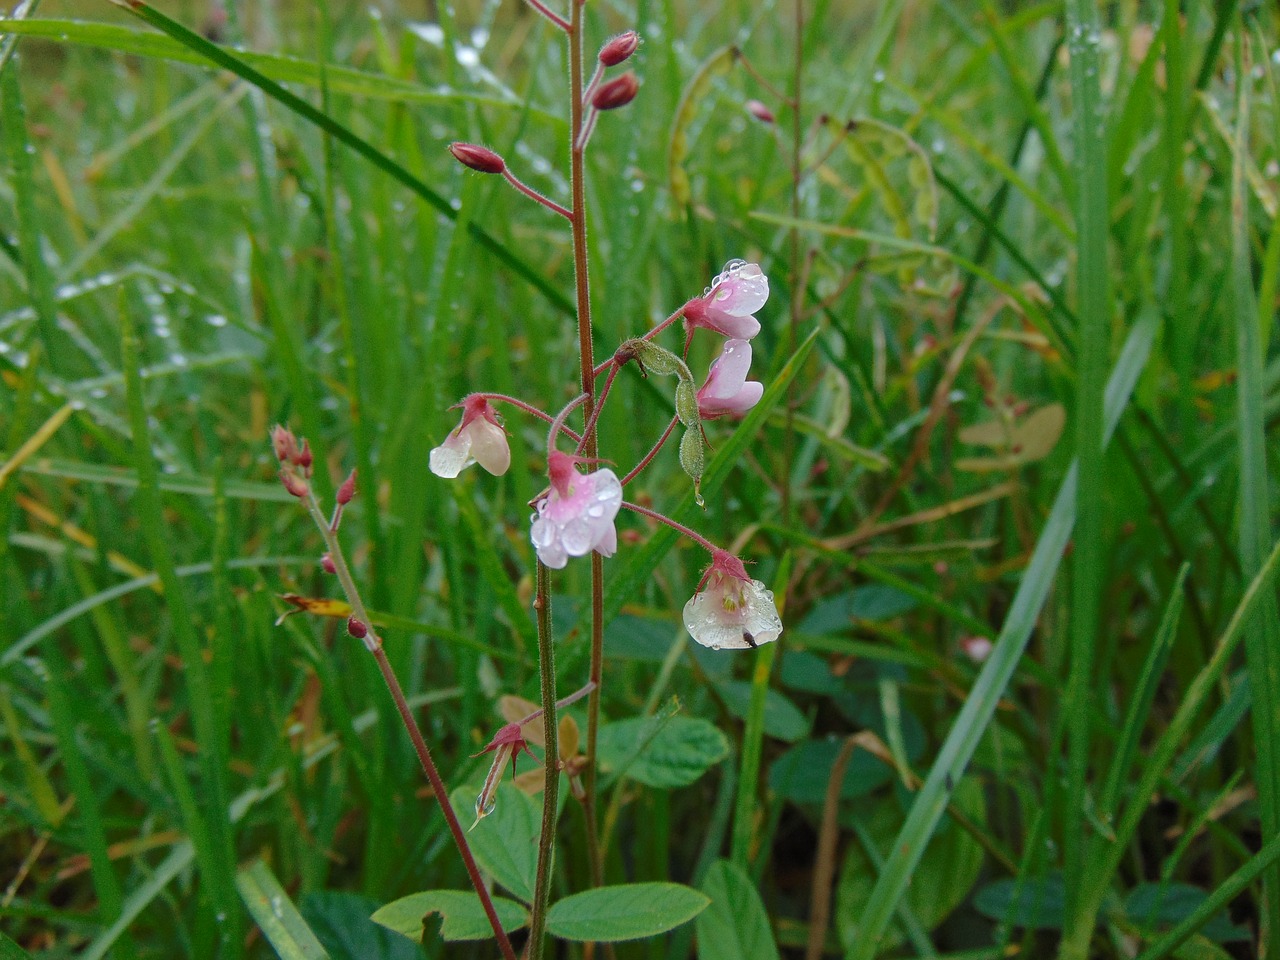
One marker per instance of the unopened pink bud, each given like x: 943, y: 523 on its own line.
x: 617, y: 92
x: 357, y: 628
x: 347, y: 490
x: 326, y: 562
x: 304, y: 458
x: 477, y: 158
x: 294, y: 484
x: 619, y: 48
x: 283, y: 443
x: 759, y: 111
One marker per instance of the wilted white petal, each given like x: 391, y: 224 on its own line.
x: 732, y: 614
x: 489, y: 446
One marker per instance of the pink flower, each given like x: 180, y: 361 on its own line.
x: 731, y: 611
x: 727, y: 307
x: 577, y: 516
x: 479, y: 438
x: 977, y: 648
x: 727, y: 390
x: 506, y: 746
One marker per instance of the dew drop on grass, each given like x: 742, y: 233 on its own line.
x: 216, y: 320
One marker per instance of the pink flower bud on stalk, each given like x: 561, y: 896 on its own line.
x: 760, y: 111
x: 304, y: 459
x: 479, y: 438
x: 293, y: 483
x: 348, y: 490
x: 616, y: 93
x: 727, y: 391
x: 283, y: 443
x: 619, y: 48
x: 480, y: 159
x: 728, y: 304
x: 577, y: 515
x: 357, y: 628
x: 327, y: 564
x: 731, y: 611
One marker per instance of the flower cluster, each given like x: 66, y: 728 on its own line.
x: 576, y: 513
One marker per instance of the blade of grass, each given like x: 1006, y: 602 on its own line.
x: 216, y: 55
x: 155, y: 532
x: 13, y: 119
x: 1084, y: 36
x: 744, y: 817
x: 1108, y: 855
x: 971, y: 724
x: 276, y: 916
x: 283, y: 69
x: 1262, y: 639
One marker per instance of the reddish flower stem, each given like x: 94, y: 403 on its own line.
x: 374, y: 645
x: 647, y: 336
x: 590, y: 428
x: 558, y: 423
x: 528, y: 408
x: 533, y: 194
x: 648, y: 457
x: 693, y: 535
x: 554, y: 17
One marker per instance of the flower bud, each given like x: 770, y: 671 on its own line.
x: 294, y: 484
x: 304, y: 458
x: 619, y: 48
x: 283, y: 443
x: 760, y: 111
x: 616, y: 93
x: 357, y: 628
x: 687, y: 404
x: 326, y: 563
x: 478, y: 158
x: 347, y: 490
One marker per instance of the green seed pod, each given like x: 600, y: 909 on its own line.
x: 687, y: 404
x: 692, y: 457
x: 656, y: 359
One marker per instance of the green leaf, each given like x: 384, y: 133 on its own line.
x: 1154, y: 907
x: 462, y: 916
x: 11, y: 951
x: 1038, y: 903
x: 505, y: 843
x: 801, y: 774
x: 660, y: 752
x: 341, y: 923
x: 782, y: 718
x: 735, y: 926
x: 628, y: 912
x: 275, y: 914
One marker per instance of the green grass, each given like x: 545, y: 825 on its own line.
x: 1035, y: 207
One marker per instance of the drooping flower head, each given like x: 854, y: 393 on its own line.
x: 728, y: 304
x: 731, y: 611
x: 727, y: 390
x: 506, y: 746
x: 577, y: 516
x: 479, y: 438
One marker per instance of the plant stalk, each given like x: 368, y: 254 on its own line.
x: 551, y: 747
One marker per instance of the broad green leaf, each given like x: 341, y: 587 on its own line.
x: 1039, y: 903
x: 801, y: 774
x: 505, y: 843
x: 1154, y: 907
x: 341, y: 923
x: 872, y: 602
x: 735, y: 926
x: 628, y: 912
x: 661, y: 752
x: 462, y: 916
x: 275, y: 914
x: 782, y: 718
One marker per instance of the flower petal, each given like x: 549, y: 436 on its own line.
x: 489, y: 446
x: 451, y: 457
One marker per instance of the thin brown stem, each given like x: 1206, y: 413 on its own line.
x: 675, y: 525
x: 530, y: 409
x: 551, y: 788
x: 590, y: 428
x: 550, y: 14
x: 374, y: 645
x: 825, y: 865
x: 534, y: 195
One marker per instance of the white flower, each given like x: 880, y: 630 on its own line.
x: 727, y: 390
x: 731, y: 611
x: 727, y: 307
x: 479, y: 438
x: 577, y: 516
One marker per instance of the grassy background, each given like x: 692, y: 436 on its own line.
x: 965, y: 259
